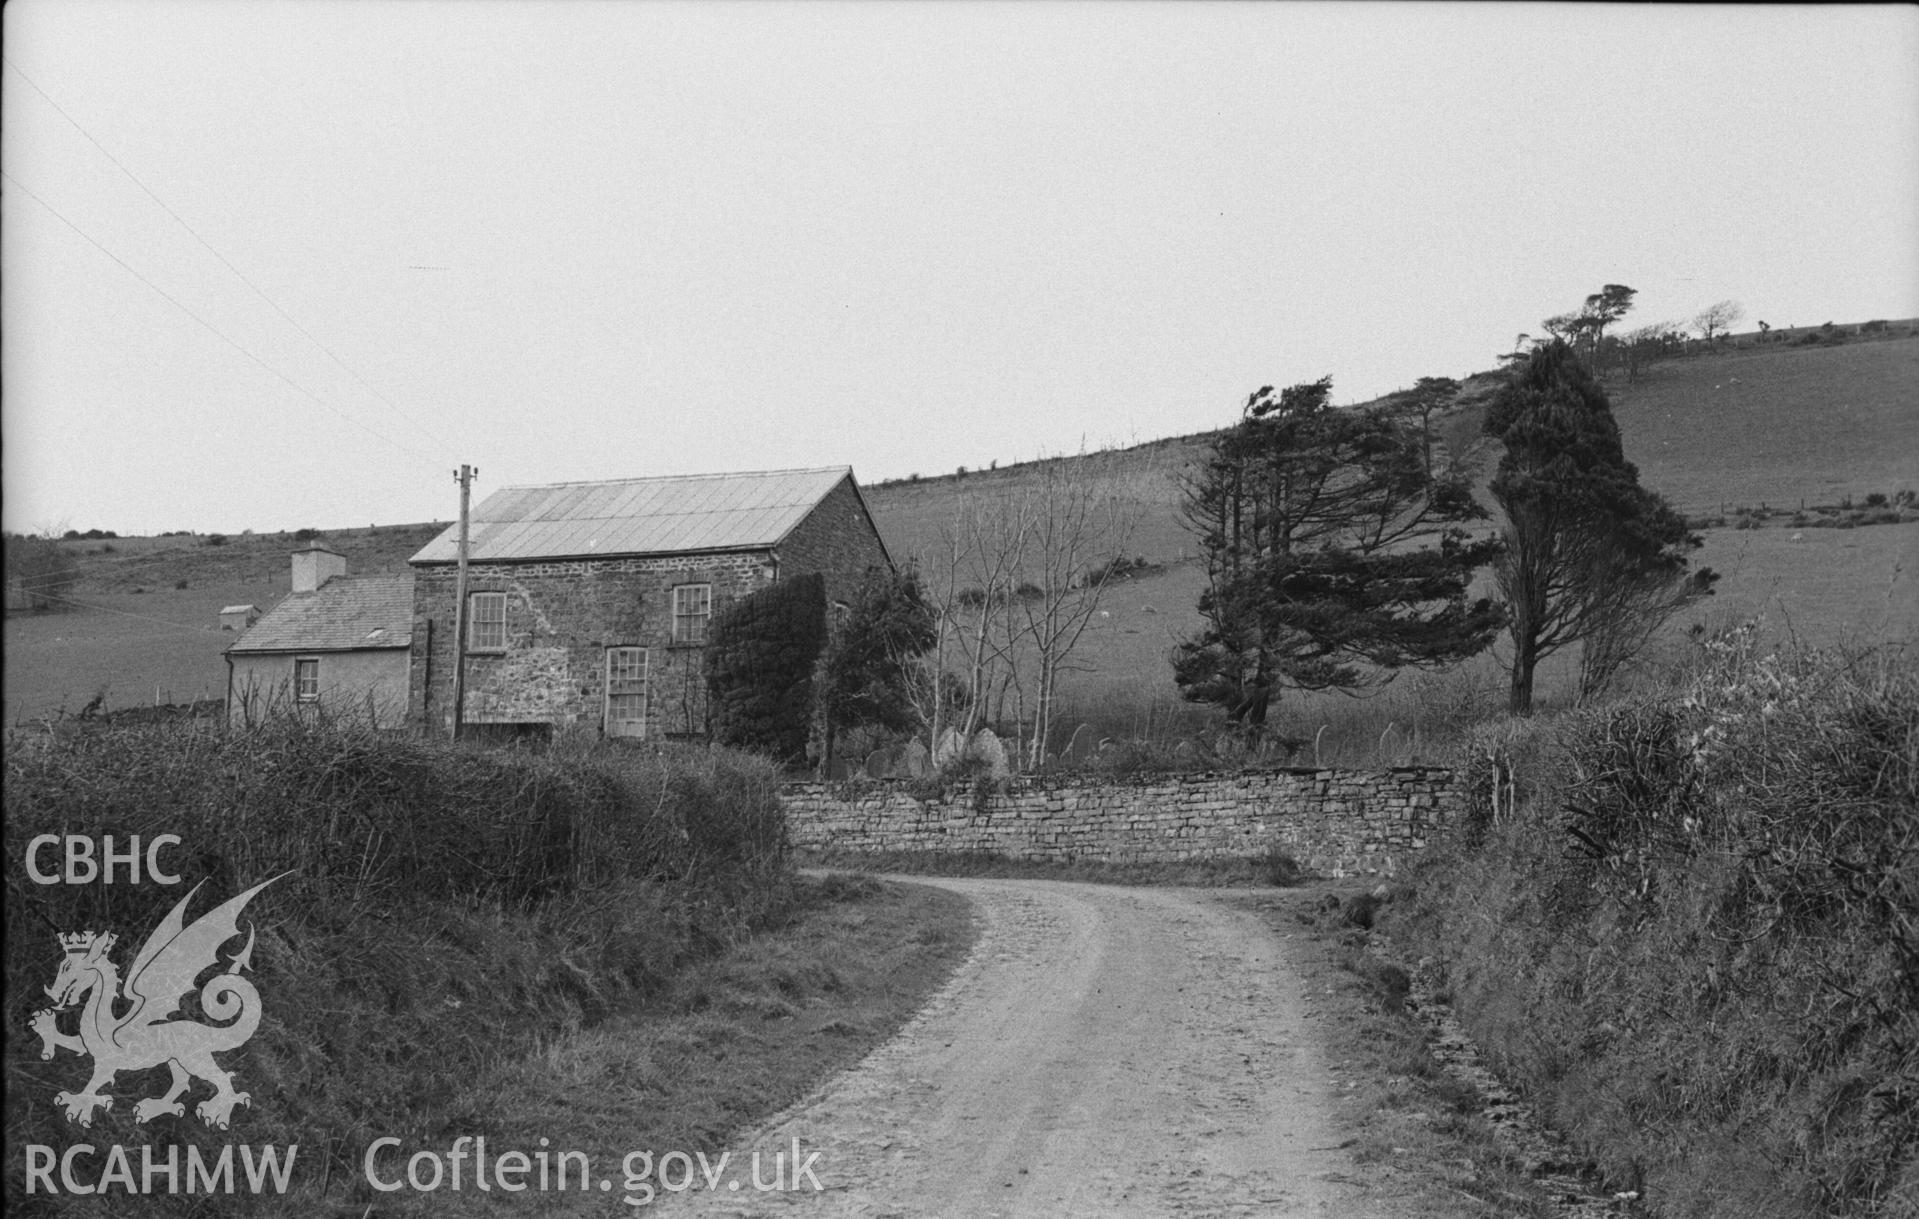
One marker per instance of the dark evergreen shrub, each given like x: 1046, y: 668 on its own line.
x: 760, y: 657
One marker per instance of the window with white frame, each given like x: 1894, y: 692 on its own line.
x: 306, y: 679
x: 626, y: 692
x: 486, y: 622
x: 692, y: 606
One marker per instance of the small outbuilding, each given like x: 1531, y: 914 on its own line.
x: 338, y: 644
x: 238, y: 617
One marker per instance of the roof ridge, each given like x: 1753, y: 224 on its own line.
x: 664, y: 478
x: 340, y: 615
x: 664, y: 514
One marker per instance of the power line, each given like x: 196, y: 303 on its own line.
x: 224, y: 261
x: 212, y: 329
x: 117, y: 565
x: 178, y: 626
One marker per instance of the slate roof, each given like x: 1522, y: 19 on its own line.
x: 666, y: 515
x: 346, y: 614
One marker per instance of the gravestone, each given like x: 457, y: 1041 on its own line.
x: 914, y: 762
x: 991, y: 754
x: 947, y: 749
x: 879, y: 764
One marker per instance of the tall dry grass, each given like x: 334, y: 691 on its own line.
x: 1417, y: 719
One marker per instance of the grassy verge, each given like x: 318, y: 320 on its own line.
x: 730, y: 1042
x: 1275, y: 868
x: 1420, y: 1133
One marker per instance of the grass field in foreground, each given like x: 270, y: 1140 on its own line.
x: 734, y: 1040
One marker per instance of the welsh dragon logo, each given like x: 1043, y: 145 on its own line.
x: 144, y: 1035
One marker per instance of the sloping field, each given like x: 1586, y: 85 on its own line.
x: 133, y: 649
x: 912, y: 514
x: 255, y: 560
x: 1825, y: 586
x: 137, y: 636
x: 1753, y: 425
x: 1776, y: 425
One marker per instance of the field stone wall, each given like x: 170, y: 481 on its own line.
x: 1332, y: 822
x: 561, y: 616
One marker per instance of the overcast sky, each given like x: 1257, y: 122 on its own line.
x: 285, y: 264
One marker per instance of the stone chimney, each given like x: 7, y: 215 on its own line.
x: 314, y: 566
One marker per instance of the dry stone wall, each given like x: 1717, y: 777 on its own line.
x: 1332, y: 822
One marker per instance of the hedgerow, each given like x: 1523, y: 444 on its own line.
x: 443, y: 908
x: 1695, y: 939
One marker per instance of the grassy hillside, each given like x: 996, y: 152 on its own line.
x: 911, y: 513
x: 1776, y: 425
x: 148, y: 621
x: 1712, y: 432
x: 1824, y: 585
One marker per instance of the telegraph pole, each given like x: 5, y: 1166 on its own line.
x: 465, y: 479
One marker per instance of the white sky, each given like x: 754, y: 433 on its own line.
x: 601, y: 240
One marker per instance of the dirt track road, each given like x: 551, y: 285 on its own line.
x: 1102, y: 1051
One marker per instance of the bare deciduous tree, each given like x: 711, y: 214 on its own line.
x: 1075, y: 528
x: 964, y: 576
x: 1625, y: 601
x: 1715, y: 321
x: 1015, y: 579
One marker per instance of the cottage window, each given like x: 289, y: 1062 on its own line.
x: 306, y: 679
x: 626, y: 692
x: 486, y: 622
x: 692, y: 606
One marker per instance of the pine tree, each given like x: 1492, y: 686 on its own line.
x: 1590, y: 555
x: 1336, y: 555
